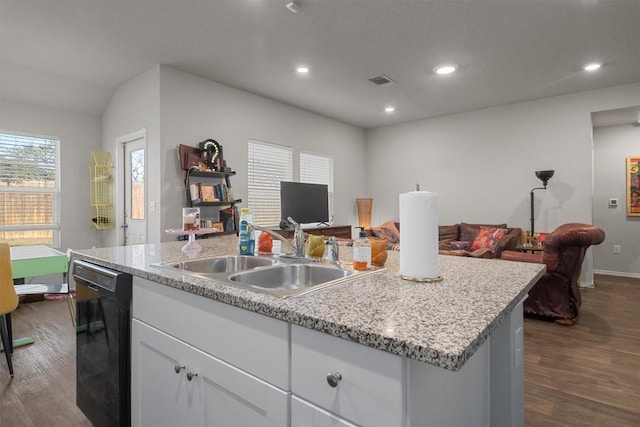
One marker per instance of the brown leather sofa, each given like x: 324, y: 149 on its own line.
x: 468, y: 232
x: 457, y: 232
x: 557, y: 293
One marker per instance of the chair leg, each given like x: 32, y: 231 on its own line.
x: 72, y: 309
x: 6, y: 343
x: 7, y: 318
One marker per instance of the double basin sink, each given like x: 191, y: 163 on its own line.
x: 280, y: 277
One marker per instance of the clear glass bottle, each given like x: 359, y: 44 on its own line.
x: 246, y: 235
x: 362, y: 251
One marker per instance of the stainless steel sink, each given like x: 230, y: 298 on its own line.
x: 281, y: 278
x: 290, y: 279
x: 223, y: 264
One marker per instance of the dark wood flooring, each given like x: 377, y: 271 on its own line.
x: 582, y: 375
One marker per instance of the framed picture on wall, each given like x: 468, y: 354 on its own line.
x: 633, y: 186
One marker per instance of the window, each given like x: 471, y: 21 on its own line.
x: 317, y: 168
x: 29, y: 190
x: 268, y: 164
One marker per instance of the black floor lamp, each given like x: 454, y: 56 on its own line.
x: 544, y: 176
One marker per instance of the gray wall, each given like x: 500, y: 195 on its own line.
x: 79, y: 135
x: 482, y: 163
x: 612, y: 145
x: 135, y: 106
x: 194, y: 109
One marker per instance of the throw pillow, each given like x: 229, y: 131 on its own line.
x: 387, y: 231
x: 488, y: 237
x: 468, y: 232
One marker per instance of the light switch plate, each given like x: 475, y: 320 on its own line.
x: 613, y: 202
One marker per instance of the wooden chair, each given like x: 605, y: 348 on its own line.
x: 8, y: 302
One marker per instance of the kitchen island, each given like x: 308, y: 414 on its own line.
x: 373, y: 350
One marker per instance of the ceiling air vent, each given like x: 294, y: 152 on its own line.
x: 381, y: 80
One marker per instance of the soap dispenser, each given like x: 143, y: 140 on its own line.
x: 362, y: 251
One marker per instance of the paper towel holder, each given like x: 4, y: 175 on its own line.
x: 427, y: 280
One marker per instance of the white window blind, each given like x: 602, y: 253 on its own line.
x: 29, y: 190
x: 316, y: 168
x: 268, y: 164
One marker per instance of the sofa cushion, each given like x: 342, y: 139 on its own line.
x: 387, y: 231
x: 488, y: 237
x: 468, y: 232
x: 447, y: 233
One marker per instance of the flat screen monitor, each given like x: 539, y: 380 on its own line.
x: 305, y: 203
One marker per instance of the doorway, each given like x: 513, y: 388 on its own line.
x: 134, y: 189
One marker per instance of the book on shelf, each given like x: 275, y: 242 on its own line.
x: 194, y: 192
x: 228, y: 218
x: 207, y: 193
x: 221, y: 192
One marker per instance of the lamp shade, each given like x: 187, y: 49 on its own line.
x: 364, y: 212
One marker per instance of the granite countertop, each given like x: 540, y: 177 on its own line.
x: 439, y: 323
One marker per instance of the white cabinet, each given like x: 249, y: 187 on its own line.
x: 175, y: 384
x: 232, y: 365
x: 256, y: 370
x: 353, y: 381
x: 304, y: 414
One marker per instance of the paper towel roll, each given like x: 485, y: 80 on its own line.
x: 419, y: 235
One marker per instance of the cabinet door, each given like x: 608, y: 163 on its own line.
x: 304, y: 414
x: 217, y: 394
x: 159, y: 395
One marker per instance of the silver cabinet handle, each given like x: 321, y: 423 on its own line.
x: 334, y: 379
x: 178, y: 368
x: 191, y: 375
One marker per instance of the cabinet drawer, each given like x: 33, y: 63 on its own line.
x: 254, y: 343
x: 370, y: 391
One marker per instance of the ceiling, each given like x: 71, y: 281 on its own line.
x: 73, y: 54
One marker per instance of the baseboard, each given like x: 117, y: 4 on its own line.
x: 617, y: 273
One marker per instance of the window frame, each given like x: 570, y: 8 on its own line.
x: 55, y: 191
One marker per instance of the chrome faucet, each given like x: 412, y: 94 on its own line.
x: 296, y: 246
x: 334, y: 254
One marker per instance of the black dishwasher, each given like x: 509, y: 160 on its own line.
x: 103, y: 344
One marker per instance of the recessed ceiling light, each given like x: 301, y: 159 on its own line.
x: 389, y: 109
x: 445, y: 69
x: 302, y: 70
x: 592, y: 66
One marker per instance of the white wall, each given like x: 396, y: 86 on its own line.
x: 79, y: 135
x: 135, y: 106
x: 194, y: 109
x: 612, y: 145
x: 482, y: 162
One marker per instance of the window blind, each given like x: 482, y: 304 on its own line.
x: 268, y: 164
x: 29, y: 190
x: 316, y: 168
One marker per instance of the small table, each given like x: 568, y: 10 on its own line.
x: 32, y: 261
x: 532, y: 249
x: 36, y: 260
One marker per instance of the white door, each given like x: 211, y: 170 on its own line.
x: 134, y: 222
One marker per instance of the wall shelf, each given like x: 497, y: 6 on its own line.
x: 102, y: 212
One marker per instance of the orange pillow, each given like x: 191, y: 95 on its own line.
x: 387, y: 231
x: 488, y: 237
